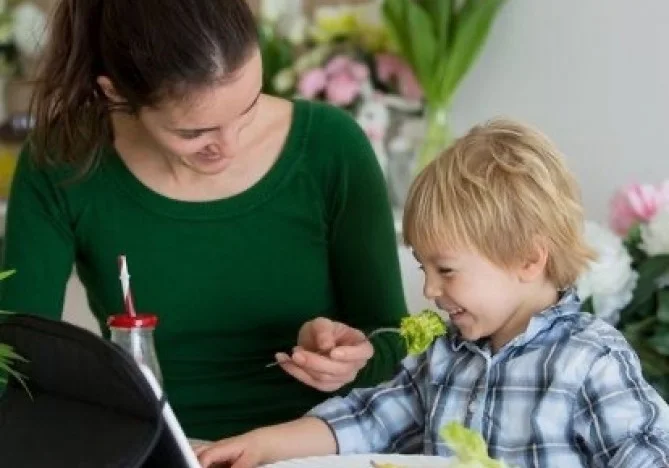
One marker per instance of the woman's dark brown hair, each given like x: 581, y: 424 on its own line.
x: 149, y: 49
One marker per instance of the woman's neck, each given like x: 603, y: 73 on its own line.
x: 167, y: 175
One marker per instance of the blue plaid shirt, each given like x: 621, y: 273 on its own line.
x: 566, y: 393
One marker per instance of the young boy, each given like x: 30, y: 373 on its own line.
x: 496, y: 225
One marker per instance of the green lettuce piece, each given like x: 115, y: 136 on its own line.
x: 468, y: 446
x: 420, y: 330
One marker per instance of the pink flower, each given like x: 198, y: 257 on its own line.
x: 341, y: 79
x: 359, y: 71
x: 409, y: 86
x: 338, y: 64
x: 312, y: 82
x: 391, y: 68
x: 635, y: 203
x: 342, y: 89
x: 664, y: 193
x: 386, y: 66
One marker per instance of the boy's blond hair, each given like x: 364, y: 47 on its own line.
x: 499, y: 190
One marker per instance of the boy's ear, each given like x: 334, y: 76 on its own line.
x: 535, y: 265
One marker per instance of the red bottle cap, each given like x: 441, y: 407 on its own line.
x: 133, y: 321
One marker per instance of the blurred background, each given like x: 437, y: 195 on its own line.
x: 592, y: 74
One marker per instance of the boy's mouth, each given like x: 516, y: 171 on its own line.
x: 452, y: 311
x: 455, y: 314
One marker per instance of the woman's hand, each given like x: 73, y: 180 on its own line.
x: 328, y: 354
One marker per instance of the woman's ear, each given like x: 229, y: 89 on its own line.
x: 534, y: 266
x: 108, y: 88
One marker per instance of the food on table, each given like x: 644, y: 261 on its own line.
x: 468, y: 446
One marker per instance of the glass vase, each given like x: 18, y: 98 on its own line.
x: 438, y: 135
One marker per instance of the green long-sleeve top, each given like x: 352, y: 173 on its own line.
x: 231, y: 280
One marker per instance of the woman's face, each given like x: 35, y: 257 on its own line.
x: 203, y: 131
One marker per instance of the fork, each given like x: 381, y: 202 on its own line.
x: 369, y: 336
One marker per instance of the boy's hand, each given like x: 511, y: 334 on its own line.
x: 328, y: 354
x: 237, y: 452
x: 302, y: 437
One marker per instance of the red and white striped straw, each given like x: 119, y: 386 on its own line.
x: 125, y: 285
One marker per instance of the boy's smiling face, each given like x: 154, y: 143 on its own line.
x: 481, y: 298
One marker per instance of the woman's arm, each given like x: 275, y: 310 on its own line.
x: 38, y: 244
x: 363, y: 253
x: 363, y: 262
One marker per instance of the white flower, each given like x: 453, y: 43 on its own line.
x: 288, y: 17
x: 284, y: 80
x: 273, y: 10
x: 610, y: 279
x: 655, y: 234
x: 295, y: 29
x: 29, y: 28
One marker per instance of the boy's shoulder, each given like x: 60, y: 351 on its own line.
x: 572, y: 346
x: 592, y: 333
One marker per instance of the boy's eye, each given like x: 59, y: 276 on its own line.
x: 445, y: 271
x: 188, y: 135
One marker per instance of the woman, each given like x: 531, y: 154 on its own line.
x: 248, y: 221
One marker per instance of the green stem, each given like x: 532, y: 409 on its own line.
x: 437, y: 135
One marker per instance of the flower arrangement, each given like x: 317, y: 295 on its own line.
x: 394, y: 64
x: 334, y: 56
x: 628, y: 285
x: 342, y: 55
x: 440, y: 39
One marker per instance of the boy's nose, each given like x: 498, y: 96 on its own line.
x: 431, y: 290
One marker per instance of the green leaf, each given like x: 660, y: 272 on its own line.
x: 473, y: 25
x: 633, y: 237
x: 653, y: 364
x: 639, y: 312
x: 393, y: 14
x: 632, y: 242
x: 636, y: 330
x: 663, y: 306
x: 7, y: 357
x: 413, y: 31
x: 660, y: 341
x: 277, y: 54
x: 6, y: 274
x: 424, y: 45
x: 441, y: 12
x: 467, y: 445
x: 649, y: 272
x: 587, y: 305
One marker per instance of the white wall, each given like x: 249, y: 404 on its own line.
x: 593, y: 74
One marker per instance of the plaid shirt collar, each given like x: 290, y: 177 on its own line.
x: 538, y: 331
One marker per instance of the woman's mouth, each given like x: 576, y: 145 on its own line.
x: 210, y: 156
